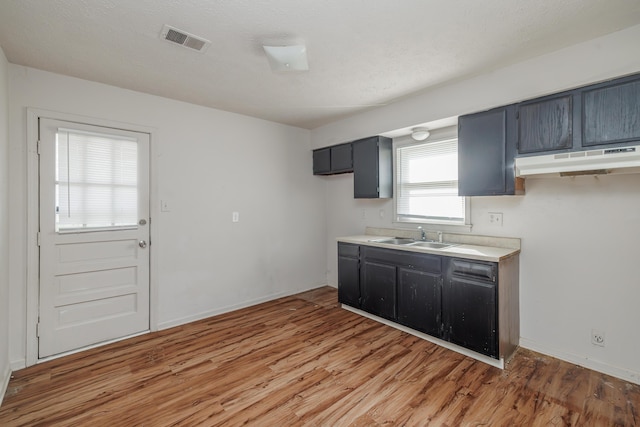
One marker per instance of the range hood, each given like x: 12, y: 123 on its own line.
x: 589, y: 162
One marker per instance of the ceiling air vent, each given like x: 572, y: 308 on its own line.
x: 174, y: 35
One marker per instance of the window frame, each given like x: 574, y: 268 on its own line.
x: 437, y: 135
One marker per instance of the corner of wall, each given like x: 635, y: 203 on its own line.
x: 5, y: 370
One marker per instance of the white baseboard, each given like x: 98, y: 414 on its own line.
x: 222, y: 310
x: 16, y: 365
x: 4, y: 382
x: 595, y: 365
x: 498, y: 363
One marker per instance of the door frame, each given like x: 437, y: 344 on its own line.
x: 33, y: 218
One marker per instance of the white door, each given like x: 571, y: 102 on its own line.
x: 94, y: 235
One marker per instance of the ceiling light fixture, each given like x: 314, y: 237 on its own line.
x: 287, y: 58
x: 419, y: 134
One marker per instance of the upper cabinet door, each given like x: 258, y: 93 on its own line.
x: 483, y: 167
x: 322, y: 161
x: 341, y: 158
x: 545, y: 124
x: 372, y: 168
x: 611, y: 113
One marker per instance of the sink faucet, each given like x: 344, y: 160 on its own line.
x: 423, y: 235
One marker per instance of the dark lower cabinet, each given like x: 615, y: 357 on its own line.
x: 471, y: 315
x: 453, y: 299
x: 471, y: 309
x: 378, y: 289
x: 420, y: 300
x: 349, y: 274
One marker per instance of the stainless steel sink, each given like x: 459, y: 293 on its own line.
x: 432, y: 245
x: 395, y: 241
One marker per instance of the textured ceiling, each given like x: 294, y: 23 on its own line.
x: 362, y: 53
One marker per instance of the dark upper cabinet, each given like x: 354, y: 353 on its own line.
x: 372, y: 168
x: 470, y: 305
x: 333, y: 160
x: 486, y: 153
x: 545, y: 124
x: 342, y: 158
x: 611, y: 112
x: 322, y: 161
x: 603, y: 114
x: 349, y: 274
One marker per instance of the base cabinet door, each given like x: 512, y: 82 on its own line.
x: 471, y: 315
x: 419, y: 301
x: 348, y: 281
x: 378, y: 290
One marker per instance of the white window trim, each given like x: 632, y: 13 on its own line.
x: 436, y: 135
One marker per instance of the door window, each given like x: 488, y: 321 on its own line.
x: 96, y: 181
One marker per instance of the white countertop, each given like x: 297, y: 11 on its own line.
x: 482, y: 253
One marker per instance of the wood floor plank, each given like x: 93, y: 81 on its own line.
x: 304, y: 361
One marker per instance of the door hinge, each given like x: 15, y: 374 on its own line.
x: 38, y: 329
x: 38, y: 238
x: 38, y: 147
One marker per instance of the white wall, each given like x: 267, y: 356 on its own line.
x: 578, y: 266
x: 207, y: 163
x: 4, y: 225
x: 600, y: 59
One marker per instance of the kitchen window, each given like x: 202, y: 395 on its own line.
x: 426, y: 182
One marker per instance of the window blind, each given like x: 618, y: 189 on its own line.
x: 96, y: 181
x: 427, y: 182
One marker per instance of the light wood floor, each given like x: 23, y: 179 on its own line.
x: 302, y: 360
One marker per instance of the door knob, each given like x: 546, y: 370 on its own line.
x: 142, y: 244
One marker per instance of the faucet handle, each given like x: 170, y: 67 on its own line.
x: 423, y: 235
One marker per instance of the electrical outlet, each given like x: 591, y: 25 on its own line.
x: 495, y: 219
x: 235, y: 216
x: 597, y: 337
